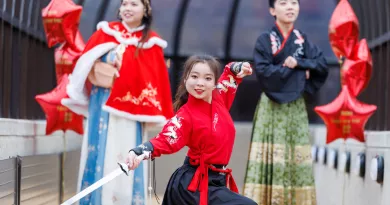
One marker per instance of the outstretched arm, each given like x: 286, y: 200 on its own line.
x: 230, y: 79
x: 173, y: 137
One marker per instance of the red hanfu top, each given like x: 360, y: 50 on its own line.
x: 207, y: 129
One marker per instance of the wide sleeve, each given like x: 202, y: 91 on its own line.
x: 228, y: 84
x: 98, y: 44
x: 174, y: 136
x: 315, y: 62
x: 314, y: 59
x: 263, y: 60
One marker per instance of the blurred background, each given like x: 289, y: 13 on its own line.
x: 226, y: 29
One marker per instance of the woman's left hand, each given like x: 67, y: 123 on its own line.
x: 246, y: 70
x: 307, y: 74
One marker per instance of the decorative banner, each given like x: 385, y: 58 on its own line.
x: 343, y: 30
x: 345, y: 117
x: 60, y: 21
x: 59, y: 117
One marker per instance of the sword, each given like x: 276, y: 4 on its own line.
x: 123, y: 168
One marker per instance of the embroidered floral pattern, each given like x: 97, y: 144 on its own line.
x: 124, y: 33
x: 146, y: 98
x: 215, y: 121
x: 299, y: 41
x: 174, y: 124
x: 224, y: 85
x: 275, y: 42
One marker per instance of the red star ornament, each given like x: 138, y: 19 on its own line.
x: 65, y: 60
x: 79, y: 43
x: 345, y: 117
x: 343, y: 30
x: 61, y: 19
x: 357, y: 71
x: 59, y: 117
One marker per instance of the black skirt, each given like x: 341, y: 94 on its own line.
x: 177, y: 193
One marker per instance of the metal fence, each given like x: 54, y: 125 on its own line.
x: 374, y: 19
x: 39, y: 179
x: 26, y: 64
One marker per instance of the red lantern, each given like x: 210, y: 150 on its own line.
x: 345, y: 117
x: 59, y: 117
x: 60, y: 21
x: 356, y: 72
x: 343, y: 30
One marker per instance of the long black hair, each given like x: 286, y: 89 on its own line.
x: 181, y: 97
x: 272, y: 3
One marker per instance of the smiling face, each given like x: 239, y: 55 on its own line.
x: 132, y: 12
x: 285, y: 11
x: 200, y: 82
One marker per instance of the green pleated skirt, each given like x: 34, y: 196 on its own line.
x: 280, y: 170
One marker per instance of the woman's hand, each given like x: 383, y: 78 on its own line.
x: 139, y: 153
x: 307, y: 74
x: 290, y: 62
x: 133, y: 160
x: 246, y: 70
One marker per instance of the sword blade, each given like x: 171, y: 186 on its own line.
x: 94, y: 186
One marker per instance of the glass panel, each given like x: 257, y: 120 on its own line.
x: 314, y: 19
x: 164, y: 18
x: 252, y: 18
x: 204, y: 28
x: 88, y: 17
x: 111, y: 12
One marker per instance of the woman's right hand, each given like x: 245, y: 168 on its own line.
x: 139, y: 153
x: 133, y: 160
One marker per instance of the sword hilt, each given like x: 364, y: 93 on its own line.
x: 124, y: 168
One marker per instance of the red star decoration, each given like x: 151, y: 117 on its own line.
x: 61, y: 19
x: 59, y: 117
x: 65, y: 60
x: 345, y: 117
x: 356, y: 72
x: 343, y: 30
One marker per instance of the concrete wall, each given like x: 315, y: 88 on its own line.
x: 26, y: 138
x: 336, y: 187
x: 33, y: 165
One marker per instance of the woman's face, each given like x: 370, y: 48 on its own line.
x: 132, y: 12
x: 285, y: 11
x: 200, y: 82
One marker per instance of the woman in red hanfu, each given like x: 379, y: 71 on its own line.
x: 202, y: 123
x: 124, y: 61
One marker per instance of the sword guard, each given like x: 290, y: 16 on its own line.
x: 124, y: 168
